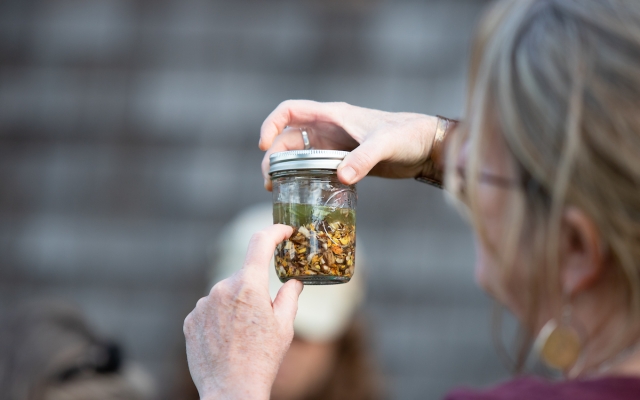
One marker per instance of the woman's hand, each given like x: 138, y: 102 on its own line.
x: 236, y: 337
x: 392, y: 145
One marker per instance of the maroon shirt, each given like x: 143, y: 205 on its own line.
x: 618, y: 388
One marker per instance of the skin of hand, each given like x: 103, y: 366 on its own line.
x: 236, y: 336
x: 390, y: 145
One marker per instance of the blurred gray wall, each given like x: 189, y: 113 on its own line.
x: 128, y: 138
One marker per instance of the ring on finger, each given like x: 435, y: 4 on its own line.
x: 305, y: 138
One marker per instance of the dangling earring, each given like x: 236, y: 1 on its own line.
x: 560, y: 344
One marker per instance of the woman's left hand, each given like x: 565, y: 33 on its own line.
x: 236, y: 337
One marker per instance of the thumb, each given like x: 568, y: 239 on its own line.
x: 357, y: 164
x: 285, y: 304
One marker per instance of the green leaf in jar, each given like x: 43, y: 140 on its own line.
x: 295, y: 214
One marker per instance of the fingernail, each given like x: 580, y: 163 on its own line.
x: 348, y: 173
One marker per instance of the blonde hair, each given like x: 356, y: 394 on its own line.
x: 559, y: 80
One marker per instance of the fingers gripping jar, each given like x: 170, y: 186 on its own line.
x: 308, y: 196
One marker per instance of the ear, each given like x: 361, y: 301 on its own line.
x: 582, y: 257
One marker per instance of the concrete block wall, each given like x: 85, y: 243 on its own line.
x: 128, y: 138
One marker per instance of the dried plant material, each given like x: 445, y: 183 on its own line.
x: 322, y: 246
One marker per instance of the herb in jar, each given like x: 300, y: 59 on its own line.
x: 322, y: 244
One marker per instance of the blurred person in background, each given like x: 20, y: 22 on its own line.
x: 329, y: 356
x: 546, y: 166
x: 49, y: 352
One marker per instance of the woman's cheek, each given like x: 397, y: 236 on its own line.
x: 484, y: 275
x: 490, y: 279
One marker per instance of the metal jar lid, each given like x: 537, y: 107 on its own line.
x: 305, y: 159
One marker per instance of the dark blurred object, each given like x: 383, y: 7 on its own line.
x: 48, y: 352
x: 105, y: 358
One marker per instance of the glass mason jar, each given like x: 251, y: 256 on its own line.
x: 308, y: 196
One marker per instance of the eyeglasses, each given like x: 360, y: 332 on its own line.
x: 485, y: 177
x: 526, y: 182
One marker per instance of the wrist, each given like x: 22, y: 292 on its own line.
x: 249, y: 385
x: 430, y: 126
x: 433, y: 168
x: 244, y: 393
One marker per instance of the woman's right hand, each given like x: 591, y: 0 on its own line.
x: 391, y: 145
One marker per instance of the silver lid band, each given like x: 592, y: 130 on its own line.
x: 305, y: 160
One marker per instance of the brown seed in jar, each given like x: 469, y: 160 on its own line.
x: 329, y: 258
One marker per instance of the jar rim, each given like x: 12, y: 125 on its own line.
x: 306, y: 159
